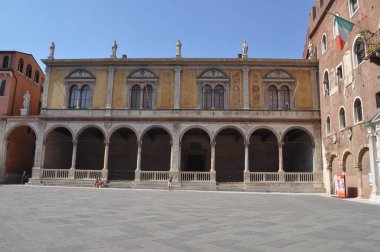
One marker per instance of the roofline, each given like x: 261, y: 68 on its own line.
x: 29, y: 54
x: 180, y: 61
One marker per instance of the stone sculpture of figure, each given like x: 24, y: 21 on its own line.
x: 114, y: 49
x: 311, y: 50
x: 245, y: 49
x: 51, y: 53
x: 178, y: 47
x: 26, y: 101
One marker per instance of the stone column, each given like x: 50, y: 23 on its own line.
x: 246, y: 163
x: 138, y: 165
x: 36, y: 170
x: 377, y: 166
x: 73, y: 160
x: 245, y: 87
x: 177, y: 87
x: 105, y: 164
x: 280, y: 159
x: 111, y: 74
x: 360, y: 181
x: 314, y: 83
x: 174, y: 161
x: 43, y: 155
x: 212, y: 170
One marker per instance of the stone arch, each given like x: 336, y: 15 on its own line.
x: 116, y: 128
x: 267, y: 128
x: 299, y: 128
x: 156, y: 145
x: 229, y: 154
x: 58, y: 147
x: 58, y: 126
x: 90, y: 148
x: 330, y: 161
x: 80, y: 131
x: 155, y: 126
x: 346, y: 153
x: 242, y: 133
x: 195, y: 127
x: 19, y: 151
x: 263, y: 150
x: 297, y: 150
x: 364, y: 170
x: 123, y: 149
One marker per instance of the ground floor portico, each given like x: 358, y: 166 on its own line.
x: 144, y: 153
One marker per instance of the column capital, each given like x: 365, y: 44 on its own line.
x: 213, y: 143
x: 246, y: 143
x: 177, y: 69
x: 139, y: 143
x: 280, y: 145
x: 245, y: 69
x: 75, y: 142
x: 107, y: 142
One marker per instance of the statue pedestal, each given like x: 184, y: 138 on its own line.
x: 24, y: 112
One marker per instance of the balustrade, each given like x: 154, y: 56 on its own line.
x: 195, y: 176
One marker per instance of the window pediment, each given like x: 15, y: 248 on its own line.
x: 278, y: 76
x: 80, y: 75
x: 143, y: 74
x: 213, y: 74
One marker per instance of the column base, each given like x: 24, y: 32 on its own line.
x: 72, y: 173
x: 105, y: 175
x: 36, y: 172
x: 213, y: 176
x: 247, y: 177
x: 175, y: 175
x: 137, y: 175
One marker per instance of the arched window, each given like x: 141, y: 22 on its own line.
x: 328, y: 126
x: 36, y: 76
x: 85, y: 97
x: 358, y: 110
x: 2, y: 87
x: 147, y: 97
x: 359, y: 52
x: 342, y: 118
x: 272, y: 97
x: 135, y: 97
x: 74, y: 96
x: 207, y: 97
x: 6, y: 62
x: 353, y: 6
x: 20, y: 66
x: 28, y: 71
x: 326, y: 83
x: 324, y: 43
x: 219, y: 97
x: 284, y: 97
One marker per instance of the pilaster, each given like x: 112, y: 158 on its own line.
x: 3, y: 144
x: 111, y: 74
x: 46, y: 89
x: 245, y: 87
x: 177, y: 87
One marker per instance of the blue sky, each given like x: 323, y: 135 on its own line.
x: 150, y: 28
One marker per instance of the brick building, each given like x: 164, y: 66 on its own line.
x: 349, y: 88
x: 21, y: 80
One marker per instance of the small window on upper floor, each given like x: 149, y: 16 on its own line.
x: 353, y: 6
x: 358, y: 111
x: 20, y: 66
x: 328, y: 125
x: 326, y: 83
x: 2, y: 87
x: 36, y: 76
x: 342, y: 119
x: 28, y: 71
x: 359, y: 51
x: 324, y: 43
x: 378, y: 100
x: 339, y: 72
x: 6, y: 62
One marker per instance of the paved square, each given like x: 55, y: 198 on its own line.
x: 90, y: 219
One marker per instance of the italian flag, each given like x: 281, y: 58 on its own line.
x: 342, y: 29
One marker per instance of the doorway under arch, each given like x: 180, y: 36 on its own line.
x: 58, y: 149
x: 156, y: 150
x: 195, y: 151
x: 263, y: 151
x: 90, y: 154
x: 297, y: 151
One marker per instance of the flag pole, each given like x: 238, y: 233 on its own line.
x: 335, y: 15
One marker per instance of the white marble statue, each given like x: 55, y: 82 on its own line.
x: 310, y: 48
x: 51, y: 53
x: 26, y: 101
x: 245, y: 49
x: 114, y: 49
x: 178, y: 47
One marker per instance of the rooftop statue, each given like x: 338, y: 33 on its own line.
x: 178, y: 47
x: 245, y: 49
x: 114, y: 49
x: 51, y: 53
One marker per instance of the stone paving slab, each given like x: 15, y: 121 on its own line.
x: 35, y: 218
